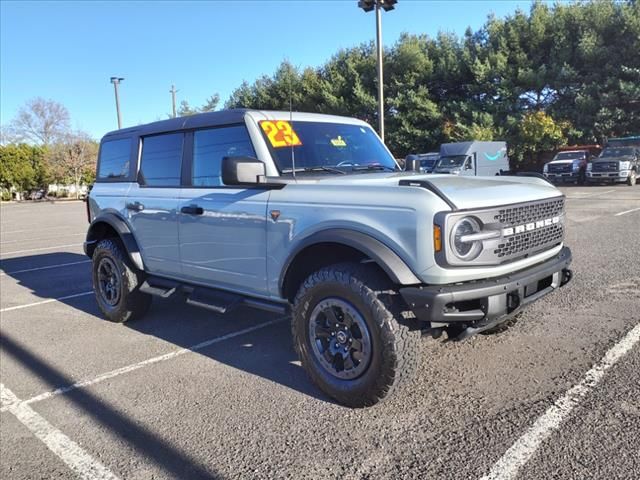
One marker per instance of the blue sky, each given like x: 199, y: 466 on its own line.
x: 67, y: 51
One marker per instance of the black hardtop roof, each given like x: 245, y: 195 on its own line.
x: 199, y: 120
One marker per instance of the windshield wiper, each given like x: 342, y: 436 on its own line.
x: 319, y: 168
x: 373, y: 167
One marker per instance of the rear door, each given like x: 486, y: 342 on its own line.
x: 152, y: 204
x: 222, y: 228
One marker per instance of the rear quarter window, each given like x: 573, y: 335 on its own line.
x: 114, y: 162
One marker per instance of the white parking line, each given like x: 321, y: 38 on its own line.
x: 44, y: 268
x: 627, y: 211
x: 585, y: 195
x: 149, y: 361
x: 41, y: 238
x: 31, y: 229
x: 62, y: 446
x: 527, y: 445
x: 43, y: 248
x: 48, y: 300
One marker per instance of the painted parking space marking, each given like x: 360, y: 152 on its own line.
x: 77, y: 459
x: 42, y: 248
x: 59, y: 265
x: 525, y: 447
x: 627, y: 211
x: 150, y: 361
x: 48, y: 300
x: 41, y: 238
x: 26, y: 230
x: 585, y: 195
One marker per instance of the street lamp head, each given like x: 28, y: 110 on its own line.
x: 116, y: 79
x: 368, y: 5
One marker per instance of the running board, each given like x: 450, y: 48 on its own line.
x: 218, y: 301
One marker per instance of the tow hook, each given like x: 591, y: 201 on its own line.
x: 567, y: 275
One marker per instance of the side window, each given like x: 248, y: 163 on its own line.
x: 161, y: 160
x: 114, y: 160
x: 211, y: 146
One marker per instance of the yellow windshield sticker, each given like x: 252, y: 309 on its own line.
x: 338, y: 142
x: 280, y: 133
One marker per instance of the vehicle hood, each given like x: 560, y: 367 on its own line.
x: 463, y: 192
x: 564, y: 162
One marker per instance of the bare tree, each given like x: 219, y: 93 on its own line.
x: 73, y: 158
x: 41, y: 121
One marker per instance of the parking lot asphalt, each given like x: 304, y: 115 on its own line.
x: 184, y: 393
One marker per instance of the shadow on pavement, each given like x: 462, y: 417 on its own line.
x: 265, y: 352
x: 176, y: 463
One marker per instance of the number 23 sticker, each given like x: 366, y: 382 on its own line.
x: 280, y: 133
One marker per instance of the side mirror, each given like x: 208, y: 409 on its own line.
x: 468, y: 165
x: 242, y: 171
x: 412, y: 165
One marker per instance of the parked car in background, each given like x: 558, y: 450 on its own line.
x: 619, y: 162
x: 421, y: 162
x: 568, y: 167
x: 37, y: 194
x: 473, y: 158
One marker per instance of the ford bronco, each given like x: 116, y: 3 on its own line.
x: 309, y: 215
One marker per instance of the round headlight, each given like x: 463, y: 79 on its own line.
x: 461, y: 247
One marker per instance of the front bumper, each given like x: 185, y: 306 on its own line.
x: 612, y: 177
x: 562, y: 177
x: 483, y: 304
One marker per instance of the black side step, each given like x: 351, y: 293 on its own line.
x: 159, y: 287
x: 217, y: 301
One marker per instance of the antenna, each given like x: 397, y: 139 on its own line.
x: 293, y: 154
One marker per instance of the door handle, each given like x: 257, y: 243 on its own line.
x: 135, y: 206
x: 192, y: 210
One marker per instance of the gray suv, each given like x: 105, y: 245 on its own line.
x: 310, y: 215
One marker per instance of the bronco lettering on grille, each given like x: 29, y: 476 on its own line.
x: 528, y: 227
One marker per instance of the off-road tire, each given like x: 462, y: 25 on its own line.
x: 631, y: 179
x: 132, y: 302
x: 394, y: 333
x: 503, y: 327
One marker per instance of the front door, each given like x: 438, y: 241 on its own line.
x: 222, y: 229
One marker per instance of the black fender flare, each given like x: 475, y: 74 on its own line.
x: 381, y: 254
x: 124, y: 232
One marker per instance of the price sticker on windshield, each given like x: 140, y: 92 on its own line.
x: 280, y: 133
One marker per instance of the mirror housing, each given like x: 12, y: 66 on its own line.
x: 412, y: 164
x: 242, y: 171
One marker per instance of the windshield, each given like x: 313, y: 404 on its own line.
x: 568, y: 155
x: 325, y: 147
x: 616, y: 152
x: 429, y: 162
x: 452, y: 162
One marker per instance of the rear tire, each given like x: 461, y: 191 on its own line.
x: 116, y: 283
x: 352, y: 334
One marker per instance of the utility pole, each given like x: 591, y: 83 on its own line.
x: 380, y: 75
x: 116, y: 81
x: 173, y: 99
x: 367, y: 6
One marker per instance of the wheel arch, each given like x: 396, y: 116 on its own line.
x: 110, y: 225
x: 335, y: 246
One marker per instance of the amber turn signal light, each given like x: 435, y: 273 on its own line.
x: 437, y: 238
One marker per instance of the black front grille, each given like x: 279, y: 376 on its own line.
x: 604, y: 167
x: 531, y: 242
x: 531, y: 212
x: 560, y: 168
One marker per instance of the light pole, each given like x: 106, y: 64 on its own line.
x: 367, y: 6
x: 116, y: 81
x: 173, y: 99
